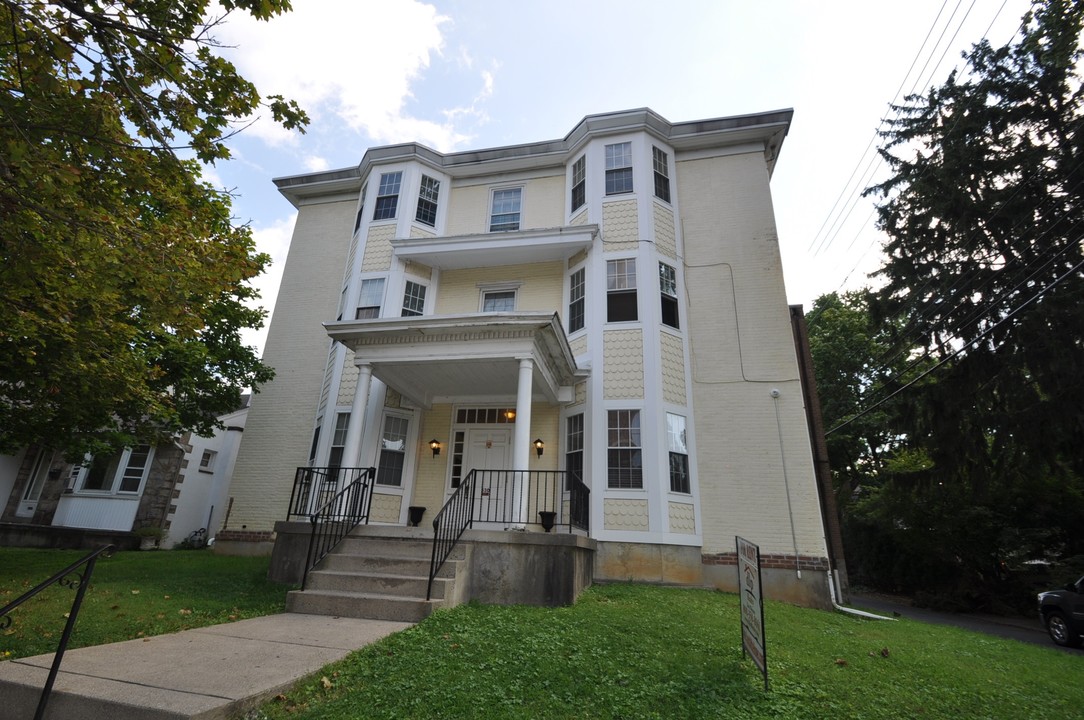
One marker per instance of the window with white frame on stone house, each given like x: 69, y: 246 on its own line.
x: 624, y: 454
x: 123, y: 473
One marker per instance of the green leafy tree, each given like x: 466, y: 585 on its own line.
x: 124, y: 276
x: 985, y: 218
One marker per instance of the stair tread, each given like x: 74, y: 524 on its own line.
x: 363, y: 595
x: 368, y: 574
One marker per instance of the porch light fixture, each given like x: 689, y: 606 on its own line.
x: 434, y: 445
x: 539, y: 446
x: 509, y: 415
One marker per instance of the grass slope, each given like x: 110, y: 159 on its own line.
x: 629, y: 651
x: 132, y: 594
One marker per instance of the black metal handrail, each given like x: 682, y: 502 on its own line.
x: 339, y: 515
x: 449, y: 525
x: 519, y: 498
x: 79, y: 582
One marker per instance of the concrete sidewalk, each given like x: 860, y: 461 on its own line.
x: 213, y: 672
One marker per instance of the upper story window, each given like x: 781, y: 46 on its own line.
x: 621, y: 290
x: 579, y: 183
x: 370, y: 299
x: 576, y: 288
x: 427, y: 201
x: 498, y: 300
x: 387, y: 197
x: 361, y: 209
x: 662, y: 174
x: 668, y: 293
x: 413, y: 299
x: 504, y: 215
x: 207, y: 461
x: 619, y: 168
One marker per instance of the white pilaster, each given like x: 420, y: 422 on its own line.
x: 521, y: 448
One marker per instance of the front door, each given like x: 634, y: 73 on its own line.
x: 35, y: 482
x: 488, y: 452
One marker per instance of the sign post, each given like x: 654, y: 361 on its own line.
x: 752, y: 605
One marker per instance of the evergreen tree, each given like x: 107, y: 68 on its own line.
x: 985, y: 218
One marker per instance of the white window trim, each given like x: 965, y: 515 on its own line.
x: 210, y: 466
x: 522, y: 206
x: 568, y: 298
x: 486, y: 288
x: 81, y: 471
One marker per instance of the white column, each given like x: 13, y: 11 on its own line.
x: 352, y: 449
x: 521, y: 447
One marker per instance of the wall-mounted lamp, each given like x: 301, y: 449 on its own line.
x: 434, y: 445
x: 539, y: 446
x: 509, y: 415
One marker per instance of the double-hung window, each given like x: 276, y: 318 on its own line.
x: 576, y: 309
x: 668, y: 295
x: 393, y: 442
x: 207, y: 461
x: 498, y: 300
x: 621, y: 290
x: 370, y: 299
x: 427, y: 201
x: 623, y: 455
x: 413, y: 299
x: 361, y: 209
x: 679, y: 454
x: 505, y: 212
x: 338, y: 440
x: 579, y: 183
x: 387, y: 197
x: 619, y: 168
x: 573, y: 448
x: 662, y: 174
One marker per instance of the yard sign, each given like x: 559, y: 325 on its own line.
x: 752, y: 605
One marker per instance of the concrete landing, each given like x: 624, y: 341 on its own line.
x: 213, y: 672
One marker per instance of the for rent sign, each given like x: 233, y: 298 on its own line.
x: 752, y: 605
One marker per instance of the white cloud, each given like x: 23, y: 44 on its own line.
x: 315, y: 163
x: 344, y: 58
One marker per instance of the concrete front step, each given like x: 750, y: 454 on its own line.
x: 385, y: 565
x: 371, y: 583
x: 360, y: 605
x: 391, y: 547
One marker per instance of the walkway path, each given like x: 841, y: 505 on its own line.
x: 213, y: 672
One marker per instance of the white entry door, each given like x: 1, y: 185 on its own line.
x: 491, y: 450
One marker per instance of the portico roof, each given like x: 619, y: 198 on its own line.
x: 445, y: 358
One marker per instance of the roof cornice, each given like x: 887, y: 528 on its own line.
x: 767, y: 128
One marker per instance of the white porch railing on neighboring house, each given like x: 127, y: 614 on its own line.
x: 97, y: 512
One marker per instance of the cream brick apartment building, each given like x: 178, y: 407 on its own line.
x: 609, y: 305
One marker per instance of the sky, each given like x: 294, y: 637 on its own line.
x: 467, y: 74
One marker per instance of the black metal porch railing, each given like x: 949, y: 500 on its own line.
x: 314, y: 486
x: 519, y: 498
x: 68, y: 577
x: 340, y: 514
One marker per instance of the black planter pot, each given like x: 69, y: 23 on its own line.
x: 547, y: 519
x: 414, y: 515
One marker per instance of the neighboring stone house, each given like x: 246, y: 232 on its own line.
x: 608, y: 307
x: 179, y: 486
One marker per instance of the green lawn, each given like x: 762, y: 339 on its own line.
x: 132, y: 594
x: 626, y: 651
